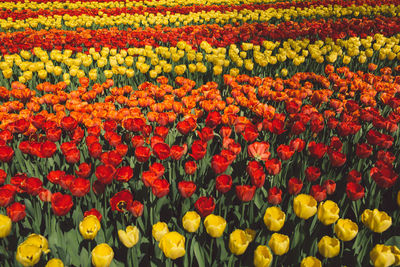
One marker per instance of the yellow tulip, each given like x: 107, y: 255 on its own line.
x: 89, y: 227
x: 284, y: 72
x: 377, y: 221
x: 328, y: 212
x: 238, y: 242
x: 5, y: 225
x: 173, y: 245
x: 55, y: 263
x: 279, y: 244
x: 191, y: 221
x: 304, y: 206
x: 234, y: 72
x: 274, y: 218
x: 382, y: 256
x: 7, y: 73
x: 217, y: 70
x: 398, y: 198
x: 262, y: 256
x: 159, y: 230
x: 102, y: 255
x: 346, y: 229
x: 129, y: 237
x: 39, y: 241
x: 329, y: 247
x: 251, y: 234
x: 310, y: 262
x: 28, y: 254
x: 215, y: 225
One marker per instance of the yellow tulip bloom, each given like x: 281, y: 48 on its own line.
x: 346, y: 229
x: 274, y: 218
x: 329, y: 247
x: 191, y: 221
x: 102, y: 255
x: 28, y: 254
x: 377, y: 221
x: 89, y: 227
x: 262, y: 256
x: 159, y: 230
x: 129, y: 237
x: 310, y: 262
x: 55, y: 263
x: 279, y: 244
x: 173, y: 245
x: 238, y: 242
x: 215, y: 225
x: 5, y: 225
x: 328, y: 212
x: 304, y: 206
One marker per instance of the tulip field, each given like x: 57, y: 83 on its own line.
x: 199, y: 133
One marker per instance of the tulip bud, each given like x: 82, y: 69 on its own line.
x: 191, y: 221
x: 55, y: 263
x: 279, y: 244
x: 262, y: 257
x: 102, y: 255
x: 173, y: 245
x: 129, y: 237
x: 5, y: 225
x: 304, y: 206
x: 346, y: 229
x: 159, y: 230
x: 328, y: 212
x: 310, y: 262
x: 215, y: 225
x: 274, y: 218
x: 89, y: 227
x: 329, y: 247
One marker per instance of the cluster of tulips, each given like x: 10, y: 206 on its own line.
x: 211, y: 133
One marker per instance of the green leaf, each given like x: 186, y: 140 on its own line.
x: 198, y: 253
x: 393, y: 241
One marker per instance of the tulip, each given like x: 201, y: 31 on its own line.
x: 274, y: 218
x: 377, y: 221
x: 173, y: 245
x: 129, y: 237
x: 262, y: 256
x: 238, y: 242
x: 310, y: 262
x: 28, y: 254
x: 191, y: 221
x: 39, y: 241
x: 159, y: 230
x: 102, y: 255
x: 329, y: 247
x: 304, y: 206
x: 382, y: 256
x: 5, y: 225
x: 279, y: 244
x: 346, y: 229
x: 398, y: 198
x: 89, y: 227
x: 215, y: 225
x: 328, y: 212
x: 55, y: 263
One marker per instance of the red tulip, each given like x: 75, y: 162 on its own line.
x: 68, y: 123
x: 110, y: 126
x: 161, y: 131
x: 16, y: 212
x: 93, y: 212
x: 219, y: 164
x: 137, y: 141
x: 190, y: 167
x: 199, y: 149
x: 33, y: 186
x: 3, y: 176
x: 363, y: 150
x: 223, y: 183
x: 245, y: 192
x: 158, y: 169
x: 161, y: 151
x: 95, y: 150
x: 160, y: 188
x: 124, y: 174
x: 148, y: 177
x: 61, y: 204
x: 259, y: 150
x: 294, y: 186
x: 142, y: 153
x: 355, y: 191
x: 121, y: 201
x: 273, y: 166
x: 6, y: 196
x: 329, y: 186
x: 136, y: 209
x: 312, y: 173
x: 318, y: 192
x: 317, y: 150
x: 186, y: 188
x: 6, y: 153
x: 79, y: 187
x: 274, y: 196
x: 285, y: 152
x: 177, y: 152
x: 354, y: 176
x: 206, y: 134
x: 213, y: 119
x: 84, y: 170
x: 105, y: 173
x: 250, y: 133
x: 205, y: 206
x: 337, y: 158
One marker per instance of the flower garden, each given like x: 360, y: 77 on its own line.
x: 200, y: 133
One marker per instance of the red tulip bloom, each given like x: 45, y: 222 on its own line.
x: 93, y: 212
x: 186, y: 188
x: 177, y: 152
x: 386, y: 156
x: 142, y: 153
x: 384, y: 177
x: 21, y: 126
x: 98, y: 187
x: 79, y: 187
x: 53, y: 134
x: 161, y: 131
x: 47, y: 149
x: 161, y: 151
x: 337, y: 158
x: 3, y: 176
x: 363, y: 150
x: 121, y: 149
x: 335, y: 144
x: 105, y: 173
x: 95, y: 150
x: 121, y: 201
x: 32, y: 186
x: 160, y: 188
x: 354, y: 176
x: 148, y: 178
x: 219, y: 164
x: 137, y: 141
x: 285, y: 152
x: 355, y: 191
x: 225, y: 131
x: 229, y: 155
x: 223, y: 183
x: 213, y: 119
x: 110, y: 126
x: 190, y: 167
x: 124, y: 174
x: 6, y: 153
x: 329, y: 186
x: 94, y: 130
x: 294, y: 186
x: 277, y: 127
x: 317, y: 150
x: 158, y: 169
x: 316, y: 125
x: 250, y: 133
x: 184, y: 127
x: 259, y: 151
x: 245, y: 192
x: 134, y: 125
x: 297, y: 144
x: 199, y: 149
x: 45, y: 195
x: 136, y: 209
x: 16, y: 212
x: 274, y: 196
x: 318, y: 192
x: 72, y: 156
x: 205, y: 206
x: 113, y: 158
x: 206, y: 134
x: 273, y: 166
x: 257, y: 177
x: 61, y: 204
x: 312, y: 173
x: 6, y: 196
x: 297, y: 128
x: 68, y: 123
x: 84, y: 170
x: 66, y: 180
